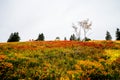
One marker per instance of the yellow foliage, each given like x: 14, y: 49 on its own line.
x: 113, y: 54
x: 18, y: 55
x: 64, y: 78
x: 89, y: 64
x: 87, y: 67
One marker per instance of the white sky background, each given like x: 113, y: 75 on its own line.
x: 55, y: 17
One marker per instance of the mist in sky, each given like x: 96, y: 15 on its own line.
x: 55, y: 17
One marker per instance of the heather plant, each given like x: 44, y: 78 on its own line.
x: 43, y: 60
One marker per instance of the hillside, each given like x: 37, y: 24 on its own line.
x: 60, y: 60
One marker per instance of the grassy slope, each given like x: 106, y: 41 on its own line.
x: 60, y: 60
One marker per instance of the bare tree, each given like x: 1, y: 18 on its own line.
x: 86, y: 26
x: 77, y: 31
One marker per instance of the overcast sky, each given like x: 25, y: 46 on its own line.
x: 55, y: 17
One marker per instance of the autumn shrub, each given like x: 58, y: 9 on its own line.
x: 6, y: 68
x: 89, y: 53
x: 59, y: 60
x: 92, y: 70
x: 110, y: 45
x: 115, y: 66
